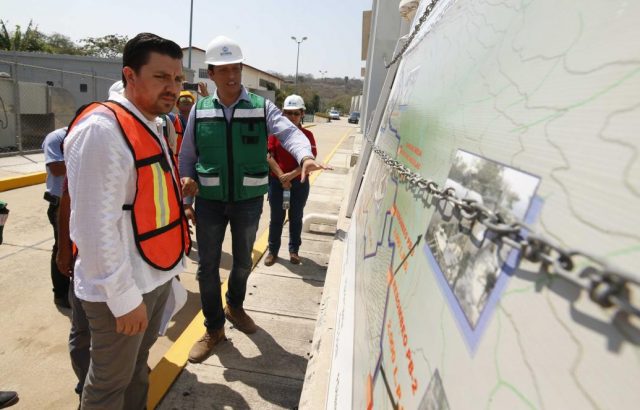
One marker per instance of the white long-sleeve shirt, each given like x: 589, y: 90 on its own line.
x: 102, y: 177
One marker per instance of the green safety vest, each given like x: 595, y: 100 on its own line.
x: 232, y: 157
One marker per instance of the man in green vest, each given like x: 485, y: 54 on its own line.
x: 223, y: 161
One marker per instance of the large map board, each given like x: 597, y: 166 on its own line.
x: 535, y: 103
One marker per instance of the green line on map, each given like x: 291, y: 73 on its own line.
x: 623, y: 251
x: 581, y: 103
x: 502, y: 383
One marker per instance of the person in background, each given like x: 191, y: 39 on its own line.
x: 126, y: 221
x: 184, y: 105
x: 284, y: 180
x: 54, y: 161
x: 223, y: 159
x: 79, y: 334
x: 4, y: 215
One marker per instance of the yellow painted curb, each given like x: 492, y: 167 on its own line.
x: 326, y: 160
x: 167, y: 370
x: 22, y: 181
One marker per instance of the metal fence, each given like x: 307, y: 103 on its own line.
x: 35, y: 100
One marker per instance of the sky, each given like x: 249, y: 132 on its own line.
x: 262, y: 27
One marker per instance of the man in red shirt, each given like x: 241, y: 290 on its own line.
x: 286, y: 192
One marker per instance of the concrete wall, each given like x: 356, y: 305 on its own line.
x: 41, y: 109
x: 386, y: 28
x: 51, y: 88
x: 86, y: 78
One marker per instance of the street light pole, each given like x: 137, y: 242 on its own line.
x: 190, y: 31
x: 323, y: 73
x: 297, y: 57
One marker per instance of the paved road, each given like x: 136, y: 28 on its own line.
x: 33, y: 350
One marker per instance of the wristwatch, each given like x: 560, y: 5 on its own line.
x: 305, y: 158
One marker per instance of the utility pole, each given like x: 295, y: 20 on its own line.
x: 323, y: 73
x: 190, y: 31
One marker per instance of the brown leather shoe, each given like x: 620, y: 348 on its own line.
x: 270, y: 259
x: 294, y: 258
x: 203, y: 347
x: 239, y: 318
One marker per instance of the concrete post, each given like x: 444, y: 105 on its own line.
x: 16, y: 104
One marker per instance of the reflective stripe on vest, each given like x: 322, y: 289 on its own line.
x: 159, y: 225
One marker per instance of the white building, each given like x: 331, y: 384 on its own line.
x: 255, y: 80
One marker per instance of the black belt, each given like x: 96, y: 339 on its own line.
x: 54, y: 200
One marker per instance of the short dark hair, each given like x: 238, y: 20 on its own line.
x: 137, y: 50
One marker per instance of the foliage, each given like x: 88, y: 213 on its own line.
x: 109, y: 46
x: 315, y: 103
x: 60, y: 44
x: 34, y: 40
x: 29, y: 40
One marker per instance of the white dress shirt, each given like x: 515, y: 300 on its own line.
x: 102, y: 177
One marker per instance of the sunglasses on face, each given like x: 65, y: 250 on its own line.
x: 293, y: 113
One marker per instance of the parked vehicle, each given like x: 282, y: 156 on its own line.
x: 354, y: 117
x: 334, y: 115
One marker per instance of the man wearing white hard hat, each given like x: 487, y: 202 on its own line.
x: 223, y: 161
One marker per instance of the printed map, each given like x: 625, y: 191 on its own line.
x: 547, y: 91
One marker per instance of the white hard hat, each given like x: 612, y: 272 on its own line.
x: 293, y: 102
x: 116, y: 88
x: 222, y: 50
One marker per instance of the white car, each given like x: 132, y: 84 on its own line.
x: 334, y: 115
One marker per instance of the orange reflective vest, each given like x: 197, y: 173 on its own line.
x: 179, y: 132
x: 177, y: 127
x: 160, y: 227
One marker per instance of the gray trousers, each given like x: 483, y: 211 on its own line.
x: 118, y: 375
x: 79, y: 340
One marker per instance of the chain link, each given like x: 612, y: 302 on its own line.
x: 606, y: 285
x: 427, y: 11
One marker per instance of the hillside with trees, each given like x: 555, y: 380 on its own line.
x: 320, y: 94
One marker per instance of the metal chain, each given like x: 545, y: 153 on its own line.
x: 416, y: 29
x: 606, y: 285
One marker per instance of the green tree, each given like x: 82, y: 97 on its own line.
x: 34, y: 40
x: 109, y: 46
x: 29, y: 40
x: 61, y: 44
x: 314, y: 106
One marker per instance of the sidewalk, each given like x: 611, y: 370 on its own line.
x: 266, y: 370
x: 21, y: 170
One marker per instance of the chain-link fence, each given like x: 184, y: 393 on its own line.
x: 40, y: 93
